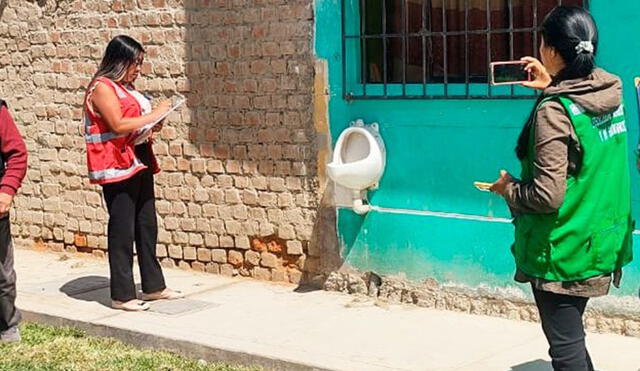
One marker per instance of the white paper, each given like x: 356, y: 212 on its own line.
x: 143, y: 133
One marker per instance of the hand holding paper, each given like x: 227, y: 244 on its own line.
x: 142, y: 134
x: 500, y: 185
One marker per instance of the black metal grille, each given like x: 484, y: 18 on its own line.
x: 437, y: 49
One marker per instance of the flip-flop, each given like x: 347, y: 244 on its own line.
x: 130, y: 306
x: 163, y: 295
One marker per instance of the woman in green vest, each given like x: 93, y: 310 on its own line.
x: 571, y: 205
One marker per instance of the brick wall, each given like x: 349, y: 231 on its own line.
x: 239, y: 191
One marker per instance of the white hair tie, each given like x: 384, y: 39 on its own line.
x: 584, y: 47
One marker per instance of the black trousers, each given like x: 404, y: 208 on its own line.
x: 132, y: 217
x: 561, y: 317
x: 9, y: 314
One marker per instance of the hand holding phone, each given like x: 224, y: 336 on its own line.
x: 541, y: 78
x: 510, y: 72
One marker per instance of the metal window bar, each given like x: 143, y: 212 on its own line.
x: 384, y: 46
x: 425, y: 33
x: 445, y: 60
x: 489, y: 92
x: 535, y: 26
x: 511, y: 51
x: 364, y: 70
x: 466, y: 49
x: 429, y: 39
x: 441, y: 33
x: 423, y: 29
x: 347, y: 95
x: 405, y: 31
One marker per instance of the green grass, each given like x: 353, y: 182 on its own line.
x: 46, y: 348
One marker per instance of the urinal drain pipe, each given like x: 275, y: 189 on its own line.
x: 360, y: 207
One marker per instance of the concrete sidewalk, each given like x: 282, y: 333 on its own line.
x: 259, y: 323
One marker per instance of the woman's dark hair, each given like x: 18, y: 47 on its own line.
x: 572, y: 32
x: 121, y: 53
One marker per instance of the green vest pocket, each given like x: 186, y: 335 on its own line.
x: 608, y: 244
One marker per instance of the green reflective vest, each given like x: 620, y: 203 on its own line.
x: 590, y: 234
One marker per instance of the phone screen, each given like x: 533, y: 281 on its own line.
x: 509, y: 72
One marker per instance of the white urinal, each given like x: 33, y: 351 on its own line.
x: 358, y: 161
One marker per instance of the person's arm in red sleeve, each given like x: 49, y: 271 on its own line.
x: 14, y: 153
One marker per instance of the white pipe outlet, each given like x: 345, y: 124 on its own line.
x: 359, y: 205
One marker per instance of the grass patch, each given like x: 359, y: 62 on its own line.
x: 46, y: 348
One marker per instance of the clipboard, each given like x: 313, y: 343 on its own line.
x: 144, y: 132
x: 174, y: 106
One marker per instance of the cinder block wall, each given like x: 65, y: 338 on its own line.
x: 239, y: 191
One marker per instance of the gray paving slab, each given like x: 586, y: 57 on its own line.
x: 180, y: 306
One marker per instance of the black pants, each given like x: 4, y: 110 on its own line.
x: 561, y: 317
x: 9, y: 314
x: 132, y: 217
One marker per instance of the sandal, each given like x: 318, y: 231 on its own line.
x: 134, y: 305
x: 166, y: 294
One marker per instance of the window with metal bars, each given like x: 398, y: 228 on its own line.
x: 437, y: 49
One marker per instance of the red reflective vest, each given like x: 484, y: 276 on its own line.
x: 111, y: 157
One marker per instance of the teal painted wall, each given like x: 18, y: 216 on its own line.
x: 437, y: 148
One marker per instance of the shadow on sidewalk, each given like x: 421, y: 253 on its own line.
x: 304, y: 288
x: 90, y: 288
x: 537, y: 365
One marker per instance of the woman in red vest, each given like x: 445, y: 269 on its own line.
x: 121, y: 160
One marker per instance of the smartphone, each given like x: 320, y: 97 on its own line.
x: 483, y: 186
x: 510, y: 72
